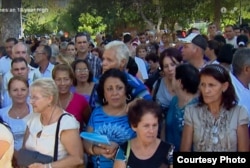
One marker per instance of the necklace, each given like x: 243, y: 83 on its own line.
x: 40, y: 132
x: 19, y: 115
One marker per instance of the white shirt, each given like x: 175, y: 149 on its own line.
x: 232, y: 42
x: 142, y: 67
x: 45, y: 144
x: 242, y: 93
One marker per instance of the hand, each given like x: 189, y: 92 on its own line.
x: 107, y: 151
x: 37, y: 165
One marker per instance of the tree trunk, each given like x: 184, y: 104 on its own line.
x: 217, y: 13
x: 10, y: 19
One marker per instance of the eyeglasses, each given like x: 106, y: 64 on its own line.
x: 85, y: 70
x: 36, y: 53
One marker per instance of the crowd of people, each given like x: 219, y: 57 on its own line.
x: 151, y: 94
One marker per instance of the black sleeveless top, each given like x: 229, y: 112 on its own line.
x: 162, y: 158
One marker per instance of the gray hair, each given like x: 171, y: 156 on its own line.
x: 48, y: 88
x: 240, y: 58
x: 20, y: 44
x: 54, y: 50
x: 121, y: 50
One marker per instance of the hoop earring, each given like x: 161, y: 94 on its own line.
x: 104, y: 101
x: 129, y: 97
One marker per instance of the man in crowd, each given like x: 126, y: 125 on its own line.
x: 194, y: 46
x: 241, y: 76
x: 82, y: 41
x: 230, y: 36
x: 5, y: 61
x: 42, y: 57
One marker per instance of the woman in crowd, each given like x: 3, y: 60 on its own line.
x: 217, y: 123
x: 166, y: 40
x: 16, y: 114
x: 71, y: 102
x: 185, y: 83
x: 97, y: 52
x: 6, y: 145
x: 71, y: 50
x: 83, y: 84
x: 163, y: 91
x: 41, y: 128
x: 110, y: 119
x: 146, y: 150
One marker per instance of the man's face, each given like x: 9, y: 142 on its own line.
x: 237, y: 32
x: 8, y: 47
x: 212, y: 29
x: 187, y: 51
x: 229, y: 32
x: 82, y: 44
x: 143, y: 39
x: 109, y: 60
x: 39, y: 55
x: 20, y: 69
x: 19, y: 51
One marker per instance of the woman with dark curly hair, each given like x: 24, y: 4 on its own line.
x: 110, y: 118
x: 217, y: 123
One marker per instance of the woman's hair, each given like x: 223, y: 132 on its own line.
x: 18, y: 78
x: 142, y: 107
x: 114, y: 73
x: 74, y: 64
x: 65, y: 68
x: 172, y: 53
x: 220, y: 74
x: 99, y: 51
x: 65, y: 59
x: 189, y: 82
x: 47, y: 87
x: 4, y: 123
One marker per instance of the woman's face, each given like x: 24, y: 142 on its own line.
x: 71, y: 50
x: 142, y: 53
x: 81, y: 72
x: 95, y: 53
x: 147, y: 128
x: 63, y: 81
x: 38, y: 101
x: 211, y: 89
x: 114, y: 92
x: 169, y: 67
x: 18, y: 91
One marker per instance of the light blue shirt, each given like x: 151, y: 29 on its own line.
x: 48, y: 71
x: 5, y: 64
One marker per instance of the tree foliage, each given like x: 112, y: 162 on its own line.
x: 91, y: 24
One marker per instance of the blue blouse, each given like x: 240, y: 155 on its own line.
x: 175, y: 122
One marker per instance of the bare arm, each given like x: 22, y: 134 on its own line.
x: 243, y: 138
x: 86, y: 114
x: 4, y: 147
x: 119, y: 164
x: 107, y: 151
x: 187, y: 138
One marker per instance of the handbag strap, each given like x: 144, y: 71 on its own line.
x: 57, y: 137
x: 128, y: 150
